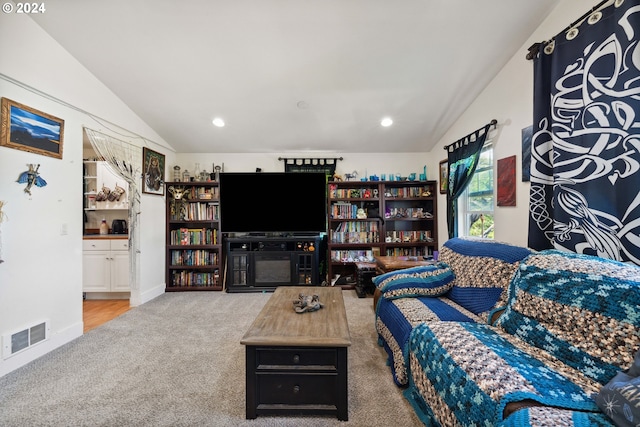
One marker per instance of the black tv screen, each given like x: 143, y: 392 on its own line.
x: 273, y: 202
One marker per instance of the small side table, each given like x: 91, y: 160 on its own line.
x: 364, y: 273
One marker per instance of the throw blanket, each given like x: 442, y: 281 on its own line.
x: 571, y: 322
x: 464, y: 374
x: 582, y: 309
x: 396, y: 318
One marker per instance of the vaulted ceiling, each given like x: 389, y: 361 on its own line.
x: 290, y: 76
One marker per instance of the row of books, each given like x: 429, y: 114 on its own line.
x: 343, y: 210
x: 194, y: 257
x: 354, y: 226
x: 209, y: 193
x: 351, y: 193
x: 199, y: 211
x: 404, y: 192
x: 185, y: 278
x: 194, y: 236
x: 352, y: 256
x: 355, y: 237
x: 414, y: 251
x: 408, y: 236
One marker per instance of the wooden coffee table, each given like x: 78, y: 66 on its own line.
x: 297, y: 362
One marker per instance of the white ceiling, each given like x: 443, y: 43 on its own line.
x: 295, y: 75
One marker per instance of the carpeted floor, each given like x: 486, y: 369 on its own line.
x: 178, y: 361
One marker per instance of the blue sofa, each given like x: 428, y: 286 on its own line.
x: 564, y: 325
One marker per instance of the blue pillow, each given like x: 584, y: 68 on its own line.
x: 431, y: 281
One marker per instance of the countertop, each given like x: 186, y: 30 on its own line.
x: 105, y: 236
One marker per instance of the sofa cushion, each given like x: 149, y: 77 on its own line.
x: 582, y: 309
x: 482, y: 269
x: 431, y: 280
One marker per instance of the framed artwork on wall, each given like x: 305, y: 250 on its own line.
x: 444, y: 178
x: 507, y: 181
x: 152, y: 172
x: 27, y: 129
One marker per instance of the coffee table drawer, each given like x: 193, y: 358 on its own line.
x: 297, y: 389
x: 296, y: 358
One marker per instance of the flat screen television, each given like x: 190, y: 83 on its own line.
x: 273, y: 202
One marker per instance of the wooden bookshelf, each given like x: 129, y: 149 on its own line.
x: 193, y: 238
x: 400, y: 220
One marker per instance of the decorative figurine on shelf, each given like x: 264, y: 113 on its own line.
x: 178, y: 204
x: 337, y: 177
x: 177, y: 176
x: 31, y: 177
x: 351, y: 176
x: 361, y: 214
x: 307, y: 303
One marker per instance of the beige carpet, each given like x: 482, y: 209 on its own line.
x: 178, y: 361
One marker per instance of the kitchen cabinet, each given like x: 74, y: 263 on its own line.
x: 105, y: 265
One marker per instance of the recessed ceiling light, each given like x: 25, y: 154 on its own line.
x: 218, y: 122
x: 386, y: 122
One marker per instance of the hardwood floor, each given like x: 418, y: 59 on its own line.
x: 97, y: 312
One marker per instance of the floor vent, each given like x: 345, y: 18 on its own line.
x: 22, y: 340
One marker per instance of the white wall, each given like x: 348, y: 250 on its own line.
x: 366, y: 164
x: 509, y: 100
x: 41, y: 276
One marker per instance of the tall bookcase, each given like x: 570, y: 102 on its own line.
x: 396, y: 218
x: 193, y: 239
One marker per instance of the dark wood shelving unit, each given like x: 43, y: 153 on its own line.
x: 400, y: 221
x: 193, y: 238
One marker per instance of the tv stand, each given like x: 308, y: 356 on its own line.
x: 261, y: 263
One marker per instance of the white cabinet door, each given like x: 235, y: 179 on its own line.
x: 96, y: 267
x: 105, y: 265
x: 120, y: 266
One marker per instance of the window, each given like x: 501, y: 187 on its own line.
x: 475, y: 205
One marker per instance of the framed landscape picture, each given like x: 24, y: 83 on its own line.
x: 152, y: 172
x: 27, y: 129
x: 444, y: 178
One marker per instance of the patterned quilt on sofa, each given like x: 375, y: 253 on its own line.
x: 571, y: 322
x: 481, y: 271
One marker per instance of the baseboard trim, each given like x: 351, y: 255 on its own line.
x: 139, y: 298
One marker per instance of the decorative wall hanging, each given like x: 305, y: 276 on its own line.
x: 507, y: 181
x: 28, y: 129
x: 31, y: 177
x: 585, y: 153
x: 526, y: 153
x: 328, y: 166
x: 153, y: 172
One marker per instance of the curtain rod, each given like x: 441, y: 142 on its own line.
x: 535, y: 48
x: 493, y: 123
